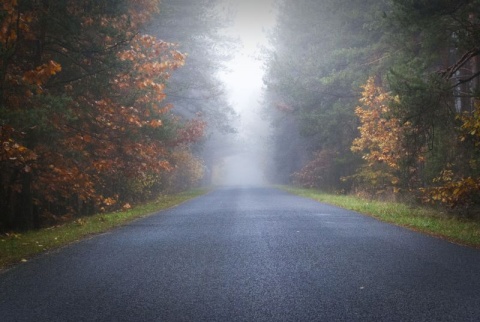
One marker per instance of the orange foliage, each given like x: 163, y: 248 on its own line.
x: 381, y: 140
x: 191, y: 132
x: 41, y: 74
x: 450, y: 187
x: 318, y: 173
x: 452, y: 191
x: 380, y: 132
x: 152, y: 61
x: 86, y: 144
x: 14, y: 153
x: 187, y: 170
x: 13, y: 22
x: 471, y: 125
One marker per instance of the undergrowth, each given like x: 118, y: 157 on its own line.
x: 19, y: 247
x: 423, y: 219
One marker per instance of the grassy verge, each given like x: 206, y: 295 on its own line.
x: 15, y: 248
x: 422, y: 219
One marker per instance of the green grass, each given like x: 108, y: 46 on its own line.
x: 422, y: 219
x: 16, y: 247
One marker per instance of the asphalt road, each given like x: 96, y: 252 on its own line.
x: 254, y: 254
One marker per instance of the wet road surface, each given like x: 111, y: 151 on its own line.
x: 249, y: 254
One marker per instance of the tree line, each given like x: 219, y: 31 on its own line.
x: 85, y: 122
x: 379, y: 98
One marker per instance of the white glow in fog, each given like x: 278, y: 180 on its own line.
x: 244, y: 83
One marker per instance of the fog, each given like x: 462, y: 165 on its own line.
x: 243, y: 79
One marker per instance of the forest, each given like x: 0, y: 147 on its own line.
x: 378, y: 98
x: 106, y: 104
x: 86, y: 124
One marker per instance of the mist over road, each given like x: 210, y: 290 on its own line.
x: 249, y: 254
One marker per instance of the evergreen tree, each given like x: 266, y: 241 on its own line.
x: 324, y: 51
x: 83, y: 122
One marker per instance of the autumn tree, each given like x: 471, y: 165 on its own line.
x: 460, y: 187
x: 434, y: 70
x: 320, y: 171
x: 383, y: 144
x: 323, y: 51
x: 413, y: 137
x: 195, y: 89
x: 83, y: 117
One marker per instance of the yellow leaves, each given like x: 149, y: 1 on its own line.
x: 87, y: 140
x: 452, y: 189
x: 155, y: 123
x: 192, y: 131
x: 453, y: 192
x: 446, y: 175
x: 317, y: 172
x: 471, y: 125
x: 178, y: 59
x: 15, y: 153
x: 151, y: 55
x: 14, y: 24
x: 41, y: 74
x: 382, y: 141
x: 151, y: 62
x: 51, y: 68
x: 127, y: 55
x: 380, y: 133
x: 80, y: 222
x: 187, y: 170
x: 109, y: 201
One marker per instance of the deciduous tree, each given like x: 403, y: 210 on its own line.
x: 83, y: 114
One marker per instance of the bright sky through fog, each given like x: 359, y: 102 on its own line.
x: 252, y: 17
x: 251, y: 20
x: 243, y: 81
